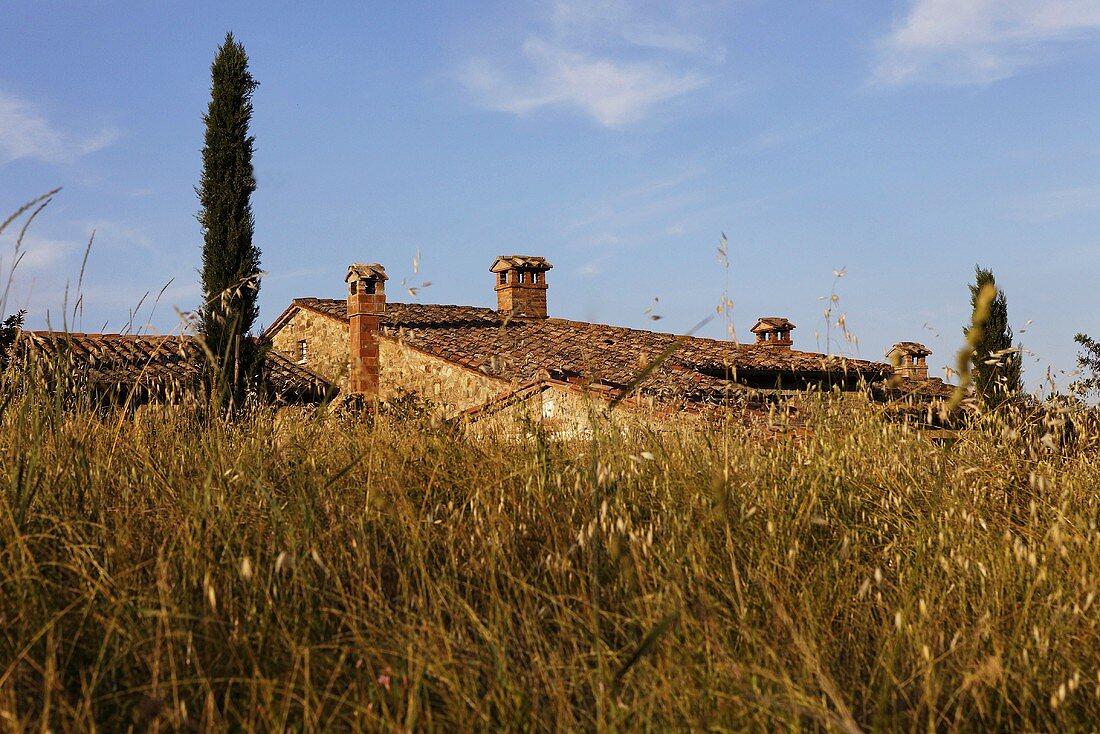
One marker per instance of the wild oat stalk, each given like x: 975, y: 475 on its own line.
x: 294, y: 571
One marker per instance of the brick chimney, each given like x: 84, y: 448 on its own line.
x: 366, y: 304
x: 909, y: 360
x: 773, y: 331
x: 521, y: 285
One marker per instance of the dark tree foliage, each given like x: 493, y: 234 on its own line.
x: 230, y: 261
x: 996, y: 368
x: 1089, y: 361
x: 9, y: 329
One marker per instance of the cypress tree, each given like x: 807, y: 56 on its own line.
x: 230, y: 261
x: 996, y: 369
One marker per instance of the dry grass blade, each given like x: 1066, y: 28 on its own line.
x: 38, y: 204
x: 812, y: 661
x: 23, y: 209
x: 645, y: 647
x: 973, y: 338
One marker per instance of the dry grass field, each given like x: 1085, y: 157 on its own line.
x: 161, y: 572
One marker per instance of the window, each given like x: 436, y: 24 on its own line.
x: 522, y: 277
x: 302, y: 352
x: 503, y: 277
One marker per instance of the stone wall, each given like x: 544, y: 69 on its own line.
x: 452, y: 387
x: 561, y: 413
x: 573, y: 414
x: 326, y: 344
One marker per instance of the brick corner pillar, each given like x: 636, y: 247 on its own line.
x: 366, y: 305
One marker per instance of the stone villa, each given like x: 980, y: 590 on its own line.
x: 493, y: 366
x: 477, y: 362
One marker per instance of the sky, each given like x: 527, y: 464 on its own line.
x: 873, y: 150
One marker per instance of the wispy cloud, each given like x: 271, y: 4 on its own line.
x: 39, y: 258
x: 1049, y: 205
x: 180, y: 292
x: 25, y: 132
x: 779, y: 137
x: 654, y: 36
x: 605, y: 227
x: 293, y: 274
x: 980, y: 41
x: 613, y: 93
x: 118, y: 234
x: 638, y: 213
x: 37, y: 254
x: 604, y: 59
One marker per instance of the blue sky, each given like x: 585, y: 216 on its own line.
x: 901, y: 142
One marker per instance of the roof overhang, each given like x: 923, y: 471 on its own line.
x: 526, y: 262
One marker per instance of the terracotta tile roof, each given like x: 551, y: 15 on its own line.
x: 401, y: 314
x: 922, y: 390
x: 523, y: 351
x: 294, y: 383
x: 336, y: 308
x: 162, y: 365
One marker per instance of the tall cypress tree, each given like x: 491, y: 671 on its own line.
x: 996, y: 370
x: 230, y: 261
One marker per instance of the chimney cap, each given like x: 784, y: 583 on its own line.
x: 766, y: 324
x: 511, y: 262
x: 365, y: 271
x: 914, y: 348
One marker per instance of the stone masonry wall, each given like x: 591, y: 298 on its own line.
x: 563, y: 414
x: 327, y: 346
x: 567, y: 414
x: 452, y: 387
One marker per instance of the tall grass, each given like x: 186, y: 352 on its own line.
x: 293, y: 571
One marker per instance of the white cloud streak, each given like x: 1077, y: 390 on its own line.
x: 600, y: 58
x: 613, y: 93
x: 980, y: 41
x: 25, y: 132
x: 36, y: 256
x: 121, y: 235
x: 1050, y: 205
